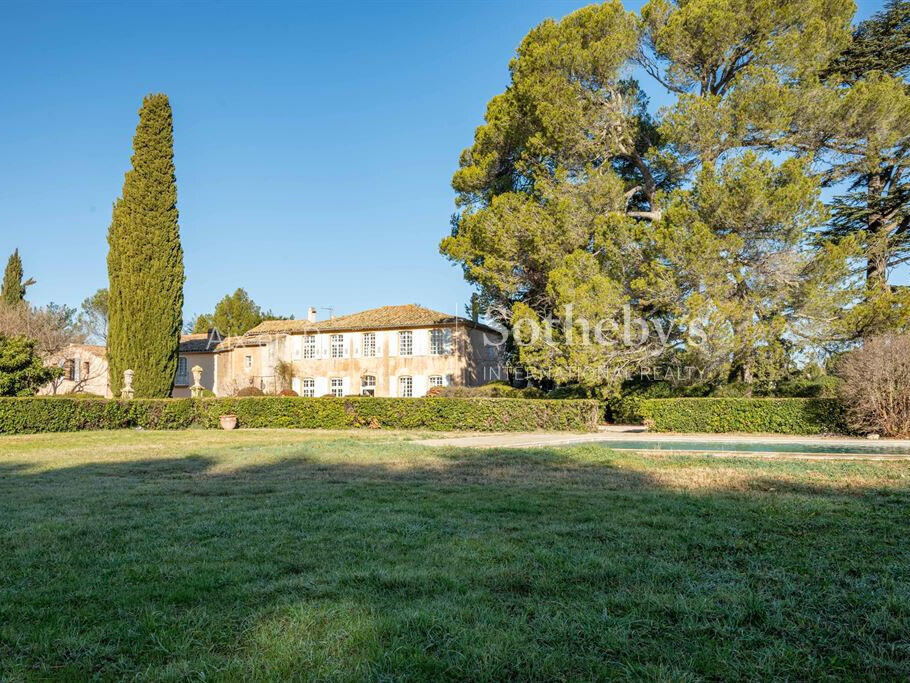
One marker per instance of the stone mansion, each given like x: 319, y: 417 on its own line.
x: 388, y: 351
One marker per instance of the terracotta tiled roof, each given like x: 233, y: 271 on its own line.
x: 199, y: 343
x: 229, y: 343
x: 91, y: 348
x: 383, y: 318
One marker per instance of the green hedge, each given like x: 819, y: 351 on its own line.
x: 42, y: 414
x: 768, y: 415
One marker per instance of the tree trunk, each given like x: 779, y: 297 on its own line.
x: 877, y: 251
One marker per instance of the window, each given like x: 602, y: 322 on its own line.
x: 337, y: 346
x: 309, y: 346
x: 181, y: 371
x: 308, y: 387
x: 248, y: 362
x: 69, y: 369
x: 405, y: 343
x: 337, y: 386
x: 435, y: 380
x: 368, y: 385
x: 405, y: 387
x: 437, y: 342
x: 85, y: 370
x: 369, y: 344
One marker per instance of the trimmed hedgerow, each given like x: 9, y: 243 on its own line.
x: 768, y: 415
x: 39, y: 414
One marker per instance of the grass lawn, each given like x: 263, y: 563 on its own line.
x: 274, y: 554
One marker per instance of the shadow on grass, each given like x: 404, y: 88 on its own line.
x: 473, y: 564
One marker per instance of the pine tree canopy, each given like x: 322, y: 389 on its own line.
x: 707, y: 214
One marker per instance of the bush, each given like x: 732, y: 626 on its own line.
x: 768, y: 415
x: 250, y: 391
x: 62, y: 414
x: 288, y: 392
x: 625, y: 409
x: 491, y: 390
x: 876, y: 386
x: 75, y: 394
x: 22, y: 369
x: 825, y: 386
x: 571, y: 391
x: 41, y: 414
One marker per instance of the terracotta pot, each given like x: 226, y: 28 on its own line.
x: 228, y: 421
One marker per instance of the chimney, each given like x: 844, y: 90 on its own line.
x: 311, y: 314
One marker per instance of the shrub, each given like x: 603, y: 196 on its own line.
x: 570, y: 391
x: 769, y: 415
x: 625, y: 409
x: 491, y: 390
x: 22, y: 370
x: 876, y: 386
x: 288, y: 392
x: 284, y: 374
x: 250, y: 391
x: 732, y: 390
x: 42, y: 414
x: 75, y: 394
x: 824, y: 386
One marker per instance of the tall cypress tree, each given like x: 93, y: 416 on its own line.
x: 12, y: 291
x: 145, y: 261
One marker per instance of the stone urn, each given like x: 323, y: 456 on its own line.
x: 228, y: 422
x: 127, y: 391
x: 197, y: 388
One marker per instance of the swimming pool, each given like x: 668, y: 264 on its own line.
x: 814, y: 448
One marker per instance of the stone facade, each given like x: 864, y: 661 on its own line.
x: 196, y: 349
x: 85, y: 369
x: 390, y: 351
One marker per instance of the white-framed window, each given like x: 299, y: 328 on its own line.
x: 368, y: 385
x: 369, y: 344
x: 405, y: 386
x: 405, y: 343
x: 248, y: 362
x: 181, y: 371
x: 309, y: 346
x: 337, y: 346
x: 435, y: 380
x: 337, y: 386
x: 437, y: 342
x: 308, y: 387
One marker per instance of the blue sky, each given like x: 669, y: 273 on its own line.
x: 314, y: 143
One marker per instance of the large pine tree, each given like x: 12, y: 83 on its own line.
x: 12, y: 291
x: 145, y: 261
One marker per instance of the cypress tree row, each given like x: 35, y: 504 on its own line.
x: 12, y: 291
x: 145, y: 261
